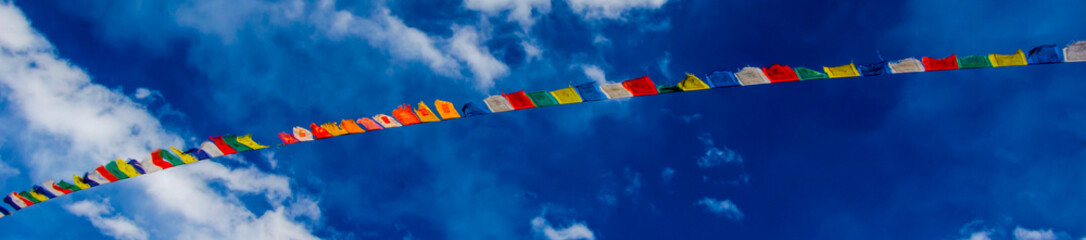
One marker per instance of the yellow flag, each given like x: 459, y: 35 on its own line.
x: 693, y: 83
x: 334, y: 129
x: 247, y: 140
x: 567, y: 95
x: 425, y: 115
x: 842, y: 71
x: 126, y: 168
x: 185, y: 157
x: 446, y: 109
x: 1002, y: 60
x: 38, y: 196
x: 78, y: 181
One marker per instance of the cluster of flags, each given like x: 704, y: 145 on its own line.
x: 120, y: 169
x: 406, y: 115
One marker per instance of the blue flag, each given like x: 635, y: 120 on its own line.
x: 590, y: 92
x: 721, y: 79
x: 1044, y: 54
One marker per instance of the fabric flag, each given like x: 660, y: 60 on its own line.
x: 158, y: 160
x: 668, y: 89
x: 170, y: 157
x: 1004, y: 60
x: 542, y: 99
x: 908, y: 65
x: 640, y: 86
x: 566, y: 95
x: 25, y: 198
x: 1045, y: 54
x: 16, y: 202
x: 780, y: 73
x: 350, y: 126
x: 26, y: 195
x: 287, y: 138
x: 115, y: 170
x: 4, y: 212
x: 136, y: 166
x: 247, y: 140
x: 425, y: 114
x: 873, y: 69
x: 615, y: 91
x: 723, y: 79
x: 333, y: 129
x: 56, y: 188
x: 302, y: 134
x: 1075, y: 52
x: 590, y: 92
x: 497, y: 104
x: 221, y: 144
x: 446, y: 109
x: 692, y: 83
x: 199, y: 154
x: 751, y: 76
x: 519, y: 100
x: 318, y: 132
x: 48, y: 192
x: 105, y: 173
x: 809, y: 74
x: 406, y: 115
x: 37, y: 196
x: 126, y: 168
x: 68, y: 186
x: 80, y: 182
x: 843, y: 71
x: 387, y: 121
x: 473, y: 109
x: 211, y: 149
x: 974, y: 61
x: 232, y: 141
x: 149, y: 166
x: 185, y: 158
x: 940, y: 64
x: 369, y: 124
x: 94, y: 179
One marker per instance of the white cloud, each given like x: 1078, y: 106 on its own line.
x: 665, y: 64
x: 715, y: 156
x: 634, y: 188
x: 465, y: 46
x: 544, y: 229
x: 72, y: 124
x: 385, y: 31
x: 723, y: 208
x: 144, y: 93
x: 667, y: 174
x: 1026, y: 234
x: 18, y: 36
x: 118, y: 227
x: 611, y: 9
x: 980, y: 236
x: 595, y: 73
x: 519, y: 10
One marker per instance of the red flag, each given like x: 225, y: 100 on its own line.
x: 780, y: 73
x: 406, y: 115
x: 934, y: 64
x: 156, y: 159
x: 640, y: 86
x: 287, y: 138
x: 225, y: 148
x: 519, y: 100
x: 106, y: 174
x: 318, y: 132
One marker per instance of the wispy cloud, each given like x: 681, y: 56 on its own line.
x: 724, y: 208
x: 610, y: 9
x: 667, y: 174
x: 118, y: 227
x: 544, y: 230
x: 715, y: 156
x: 72, y: 124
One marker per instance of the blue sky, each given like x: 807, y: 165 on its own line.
x: 976, y: 154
